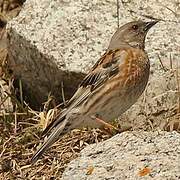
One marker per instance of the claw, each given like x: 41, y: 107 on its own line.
x: 110, y: 129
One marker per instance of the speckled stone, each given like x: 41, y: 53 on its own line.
x: 130, y: 155
x: 53, y: 41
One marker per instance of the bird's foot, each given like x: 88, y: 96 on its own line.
x: 106, y: 127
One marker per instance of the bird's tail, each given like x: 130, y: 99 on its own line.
x: 53, y: 137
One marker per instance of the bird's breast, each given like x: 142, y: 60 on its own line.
x: 122, y: 91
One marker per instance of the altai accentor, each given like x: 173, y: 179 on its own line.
x: 112, y: 86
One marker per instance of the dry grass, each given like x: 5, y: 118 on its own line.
x: 17, y: 149
x: 20, y: 132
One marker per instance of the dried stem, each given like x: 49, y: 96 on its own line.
x: 21, y: 92
x: 62, y: 91
x: 118, y: 13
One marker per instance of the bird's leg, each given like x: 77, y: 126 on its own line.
x: 108, y: 128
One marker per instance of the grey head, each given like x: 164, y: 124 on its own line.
x: 131, y: 34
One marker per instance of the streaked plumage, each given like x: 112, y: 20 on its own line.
x: 112, y: 86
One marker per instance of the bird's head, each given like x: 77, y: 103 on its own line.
x: 132, y: 34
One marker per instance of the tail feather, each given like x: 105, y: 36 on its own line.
x: 50, y: 140
x: 54, y: 124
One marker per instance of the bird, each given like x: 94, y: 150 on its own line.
x: 111, y: 87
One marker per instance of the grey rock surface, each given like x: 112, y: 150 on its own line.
x: 137, y: 155
x: 53, y: 41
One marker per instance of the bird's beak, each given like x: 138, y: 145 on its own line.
x: 148, y: 25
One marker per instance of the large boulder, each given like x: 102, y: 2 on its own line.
x: 137, y: 155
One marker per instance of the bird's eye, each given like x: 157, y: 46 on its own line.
x: 135, y: 27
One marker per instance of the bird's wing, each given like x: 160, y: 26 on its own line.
x: 106, y: 67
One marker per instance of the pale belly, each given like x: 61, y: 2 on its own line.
x: 117, y: 106
x: 118, y: 103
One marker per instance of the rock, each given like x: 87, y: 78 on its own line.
x: 51, y: 41
x: 137, y: 155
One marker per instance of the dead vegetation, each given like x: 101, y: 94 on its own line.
x: 17, y: 149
